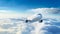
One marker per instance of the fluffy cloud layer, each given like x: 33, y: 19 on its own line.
x: 11, y: 14
x: 48, y: 26
x: 53, y: 26
x: 47, y: 12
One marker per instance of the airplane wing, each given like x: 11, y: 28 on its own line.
x: 37, y: 18
x: 18, y: 19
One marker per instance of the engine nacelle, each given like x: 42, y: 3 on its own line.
x: 27, y: 21
x: 40, y: 21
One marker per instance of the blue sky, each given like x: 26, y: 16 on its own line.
x: 24, y: 6
x: 29, y: 4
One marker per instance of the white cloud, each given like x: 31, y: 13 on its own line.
x: 39, y: 28
x: 11, y: 14
x: 46, y: 12
x: 6, y: 11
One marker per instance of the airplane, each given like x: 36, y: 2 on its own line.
x: 37, y: 18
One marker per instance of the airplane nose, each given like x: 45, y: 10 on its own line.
x: 40, y: 15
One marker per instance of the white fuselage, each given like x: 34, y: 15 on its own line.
x: 37, y: 18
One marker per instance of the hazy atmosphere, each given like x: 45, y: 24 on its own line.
x: 29, y: 16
